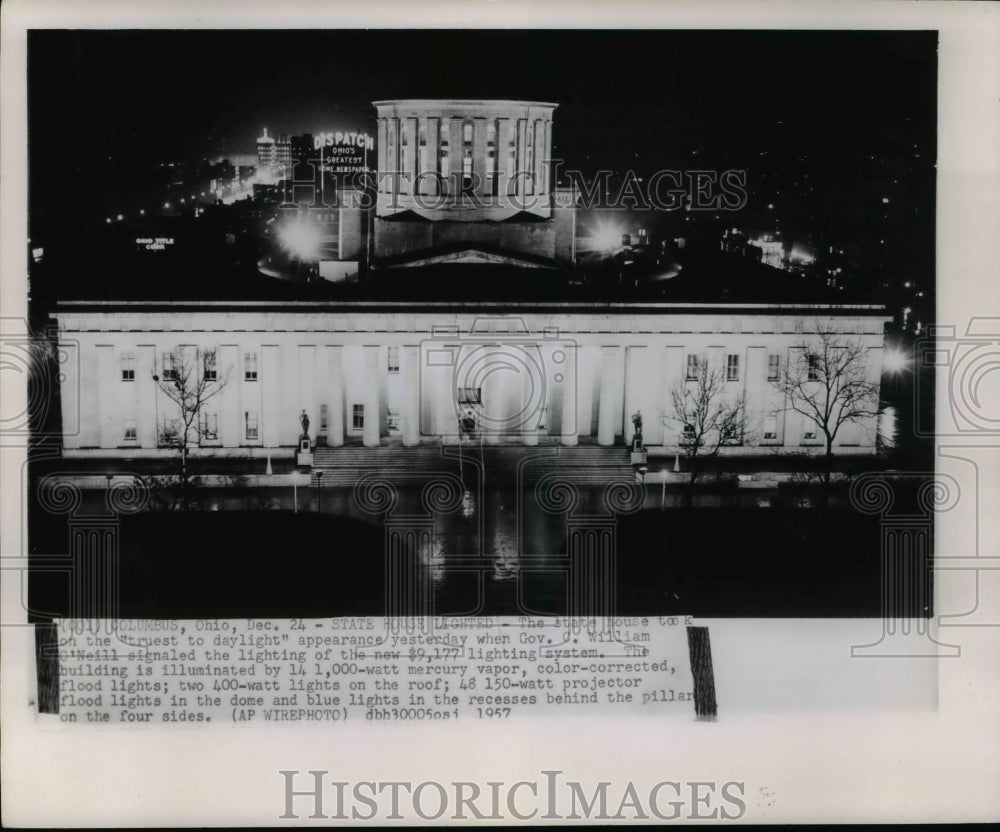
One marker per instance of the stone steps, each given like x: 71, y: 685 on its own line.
x: 342, y: 467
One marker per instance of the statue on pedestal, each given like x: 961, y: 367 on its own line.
x: 637, y: 437
x: 304, y: 420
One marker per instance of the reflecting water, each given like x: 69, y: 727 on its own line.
x: 498, y: 551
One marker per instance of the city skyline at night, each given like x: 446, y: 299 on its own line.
x: 835, y: 130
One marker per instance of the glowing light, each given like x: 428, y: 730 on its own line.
x: 166, y: 205
x: 607, y: 237
x: 302, y: 239
x: 802, y: 256
x: 142, y: 212
x: 895, y: 361
x: 887, y: 427
x: 120, y: 218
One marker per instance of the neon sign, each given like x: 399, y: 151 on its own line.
x: 360, y: 140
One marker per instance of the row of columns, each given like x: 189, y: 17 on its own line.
x: 611, y: 402
x: 371, y: 432
x: 413, y: 158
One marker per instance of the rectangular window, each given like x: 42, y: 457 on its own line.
x: 131, y: 433
x: 467, y: 168
x: 467, y: 132
x: 250, y: 366
x: 693, y: 366
x: 392, y: 419
x: 688, y: 433
x: 358, y: 422
x: 169, y: 370
x: 491, y: 150
x: 210, y: 426
x: 732, y: 367
x: 250, y: 426
x: 171, y: 429
x: 813, y: 367
x: 393, y: 365
x: 773, y: 367
x: 209, y: 370
x: 324, y: 417
x: 445, y: 161
x: 808, y: 428
x: 770, y: 427
x: 128, y: 366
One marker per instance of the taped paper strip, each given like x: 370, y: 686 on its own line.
x: 705, y: 707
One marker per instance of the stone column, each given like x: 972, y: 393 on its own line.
x: 373, y: 415
x: 383, y: 146
x: 479, y: 156
x: 521, y: 159
x: 108, y: 375
x: 570, y: 425
x: 492, y: 394
x: 70, y: 388
x: 502, y: 150
x: 634, y: 385
x: 530, y: 406
x: 609, y: 405
x: 335, y: 416
x: 410, y: 368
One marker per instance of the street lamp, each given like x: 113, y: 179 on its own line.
x: 895, y: 361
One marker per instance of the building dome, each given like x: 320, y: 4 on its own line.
x: 466, y: 160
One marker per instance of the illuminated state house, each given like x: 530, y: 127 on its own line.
x: 442, y: 346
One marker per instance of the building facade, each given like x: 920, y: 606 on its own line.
x: 469, y: 181
x: 417, y: 373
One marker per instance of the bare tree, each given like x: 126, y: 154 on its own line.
x: 827, y: 380
x: 709, y: 414
x: 190, y: 378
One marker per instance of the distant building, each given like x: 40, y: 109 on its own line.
x: 266, y: 153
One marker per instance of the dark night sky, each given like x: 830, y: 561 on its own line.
x: 106, y: 105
